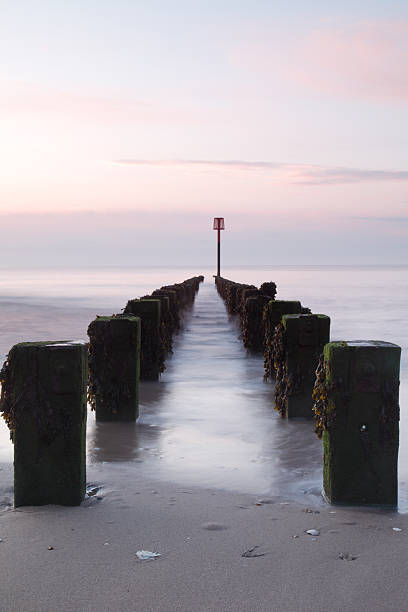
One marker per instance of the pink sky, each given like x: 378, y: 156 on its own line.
x: 286, y: 125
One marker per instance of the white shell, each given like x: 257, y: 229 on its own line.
x: 313, y: 532
x: 146, y: 554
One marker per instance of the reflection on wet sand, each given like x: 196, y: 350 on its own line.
x: 210, y: 420
x: 109, y: 442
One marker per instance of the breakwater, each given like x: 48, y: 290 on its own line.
x: 360, y: 447
x: 44, y: 391
x: 258, y: 362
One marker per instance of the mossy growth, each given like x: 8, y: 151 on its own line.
x: 151, y: 353
x: 357, y: 415
x: 271, y: 317
x: 43, y: 401
x: 298, y: 342
x: 114, y: 367
x: 50, y: 420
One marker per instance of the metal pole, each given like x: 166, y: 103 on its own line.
x: 219, y: 253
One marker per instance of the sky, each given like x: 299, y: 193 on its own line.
x: 126, y: 126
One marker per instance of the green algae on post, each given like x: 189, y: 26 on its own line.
x: 43, y: 401
x: 357, y: 414
x: 298, y: 344
x: 114, y: 367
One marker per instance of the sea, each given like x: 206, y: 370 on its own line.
x: 210, y: 420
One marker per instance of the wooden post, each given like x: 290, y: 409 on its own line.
x: 272, y: 316
x: 114, y: 367
x: 298, y: 344
x: 44, y: 403
x: 357, y: 411
x: 151, y: 355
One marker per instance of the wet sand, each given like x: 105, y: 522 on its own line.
x: 201, y: 535
x: 207, y: 474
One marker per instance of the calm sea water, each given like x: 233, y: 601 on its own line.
x: 209, y: 421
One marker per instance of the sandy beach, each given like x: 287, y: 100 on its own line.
x: 201, y: 535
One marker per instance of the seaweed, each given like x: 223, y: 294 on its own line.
x: 7, y: 405
x: 323, y: 405
x: 271, y: 317
x: 25, y: 378
x: 109, y: 382
x: 247, y: 302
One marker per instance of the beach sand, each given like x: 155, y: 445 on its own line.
x: 201, y: 535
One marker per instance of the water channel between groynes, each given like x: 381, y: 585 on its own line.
x: 210, y: 421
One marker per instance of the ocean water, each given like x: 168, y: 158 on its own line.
x: 210, y: 420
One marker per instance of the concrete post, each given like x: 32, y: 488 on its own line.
x: 357, y: 411
x: 114, y: 367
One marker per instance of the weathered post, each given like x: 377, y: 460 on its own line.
x: 357, y: 412
x: 252, y: 315
x: 173, y: 305
x: 114, y: 367
x: 298, y: 344
x: 43, y: 401
x: 166, y: 323
x: 151, y: 354
x: 272, y: 316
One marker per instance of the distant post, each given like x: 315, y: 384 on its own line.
x: 218, y: 225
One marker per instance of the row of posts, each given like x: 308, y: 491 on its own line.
x: 350, y: 388
x: 44, y: 390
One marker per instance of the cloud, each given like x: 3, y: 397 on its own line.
x: 27, y: 98
x: 385, y: 219
x: 364, y: 59
x: 297, y: 174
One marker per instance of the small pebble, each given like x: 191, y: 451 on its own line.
x: 50, y: 548
x: 347, y: 556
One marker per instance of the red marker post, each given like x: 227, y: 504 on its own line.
x: 218, y: 225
